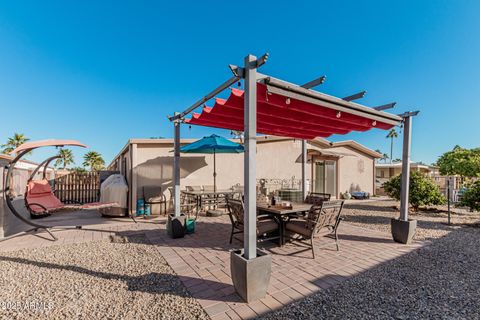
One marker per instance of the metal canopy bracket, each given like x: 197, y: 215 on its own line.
x: 355, y: 96
x: 314, y: 83
x: 385, y: 106
x: 262, y: 60
x: 409, y: 114
x: 237, y: 71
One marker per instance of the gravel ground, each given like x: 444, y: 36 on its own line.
x: 438, y: 281
x: 96, y: 280
x: 431, y: 222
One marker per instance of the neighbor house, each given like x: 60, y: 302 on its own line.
x: 333, y: 167
x: 386, y: 171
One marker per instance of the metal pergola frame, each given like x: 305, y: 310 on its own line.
x: 301, y: 92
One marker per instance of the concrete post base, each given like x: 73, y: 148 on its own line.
x: 176, y: 226
x: 403, y: 231
x: 250, y: 277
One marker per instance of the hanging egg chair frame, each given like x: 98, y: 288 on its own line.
x: 20, y: 152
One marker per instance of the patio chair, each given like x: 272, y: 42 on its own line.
x: 193, y: 188
x: 187, y: 203
x: 154, y: 196
x: 266, y: 224
x: 317, y: 198
x: 239, y: 190
x: 320, y: 220
x: 40, y: 200
x: 209, y: 200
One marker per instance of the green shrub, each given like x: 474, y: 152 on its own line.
x: 471, y: 197
x: 423, y: 191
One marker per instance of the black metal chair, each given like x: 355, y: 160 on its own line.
x: 267, y: 226
x: 317, y: 198
x: 187, y: 203
x: 325, y: 217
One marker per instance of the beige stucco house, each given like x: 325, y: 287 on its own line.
x: 334, y: 167
x: 385, y: 171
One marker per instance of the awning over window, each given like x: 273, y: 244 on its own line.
x: 294, y: 113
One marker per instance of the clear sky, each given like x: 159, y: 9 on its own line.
x: 105, y: 71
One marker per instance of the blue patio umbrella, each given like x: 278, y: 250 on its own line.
x: 212, y: 145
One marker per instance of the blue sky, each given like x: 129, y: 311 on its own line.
x: 104, y: 72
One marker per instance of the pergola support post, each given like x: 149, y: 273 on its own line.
x: 405, y: 187
x: 403, y: 229
x: 176, y: 168
x: 250, y: 268
x: 250, y: 157
x: 304, y: 169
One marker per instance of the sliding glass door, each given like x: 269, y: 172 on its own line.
x: 325, y: 179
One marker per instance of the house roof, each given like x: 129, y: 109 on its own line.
x: 22, y: 164
x: 320, y: 142
x: 5, y: 157
x: 399, y: 165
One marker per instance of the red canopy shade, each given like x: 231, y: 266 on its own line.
x: 282, y: 115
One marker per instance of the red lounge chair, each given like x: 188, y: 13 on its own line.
x: 41, y: 201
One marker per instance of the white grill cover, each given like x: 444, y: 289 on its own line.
x: 114, y: 189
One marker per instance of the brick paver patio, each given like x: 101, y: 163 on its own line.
x: 202, y: 260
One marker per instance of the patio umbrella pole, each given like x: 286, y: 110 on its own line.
x: 211, y: 145
x: 215, y: 177
x: 214, y: 171
x: 304, y: 169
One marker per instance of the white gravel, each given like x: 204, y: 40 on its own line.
x: 439, y: 281
x: 96, y: 280
x: 431, y: 223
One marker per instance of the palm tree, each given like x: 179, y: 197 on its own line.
x: 93, y: 160
x: 14, y: 142
x: 379, y: 159
x: 385, y: 157
x: 392, y: 134
x: 66, y: 158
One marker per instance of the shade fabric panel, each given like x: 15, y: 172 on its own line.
x: 283, y: 116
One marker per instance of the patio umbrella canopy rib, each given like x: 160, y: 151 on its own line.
x: 291, y: 114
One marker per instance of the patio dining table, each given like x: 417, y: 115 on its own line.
x: 282, y: 213
x: 200, y: 195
